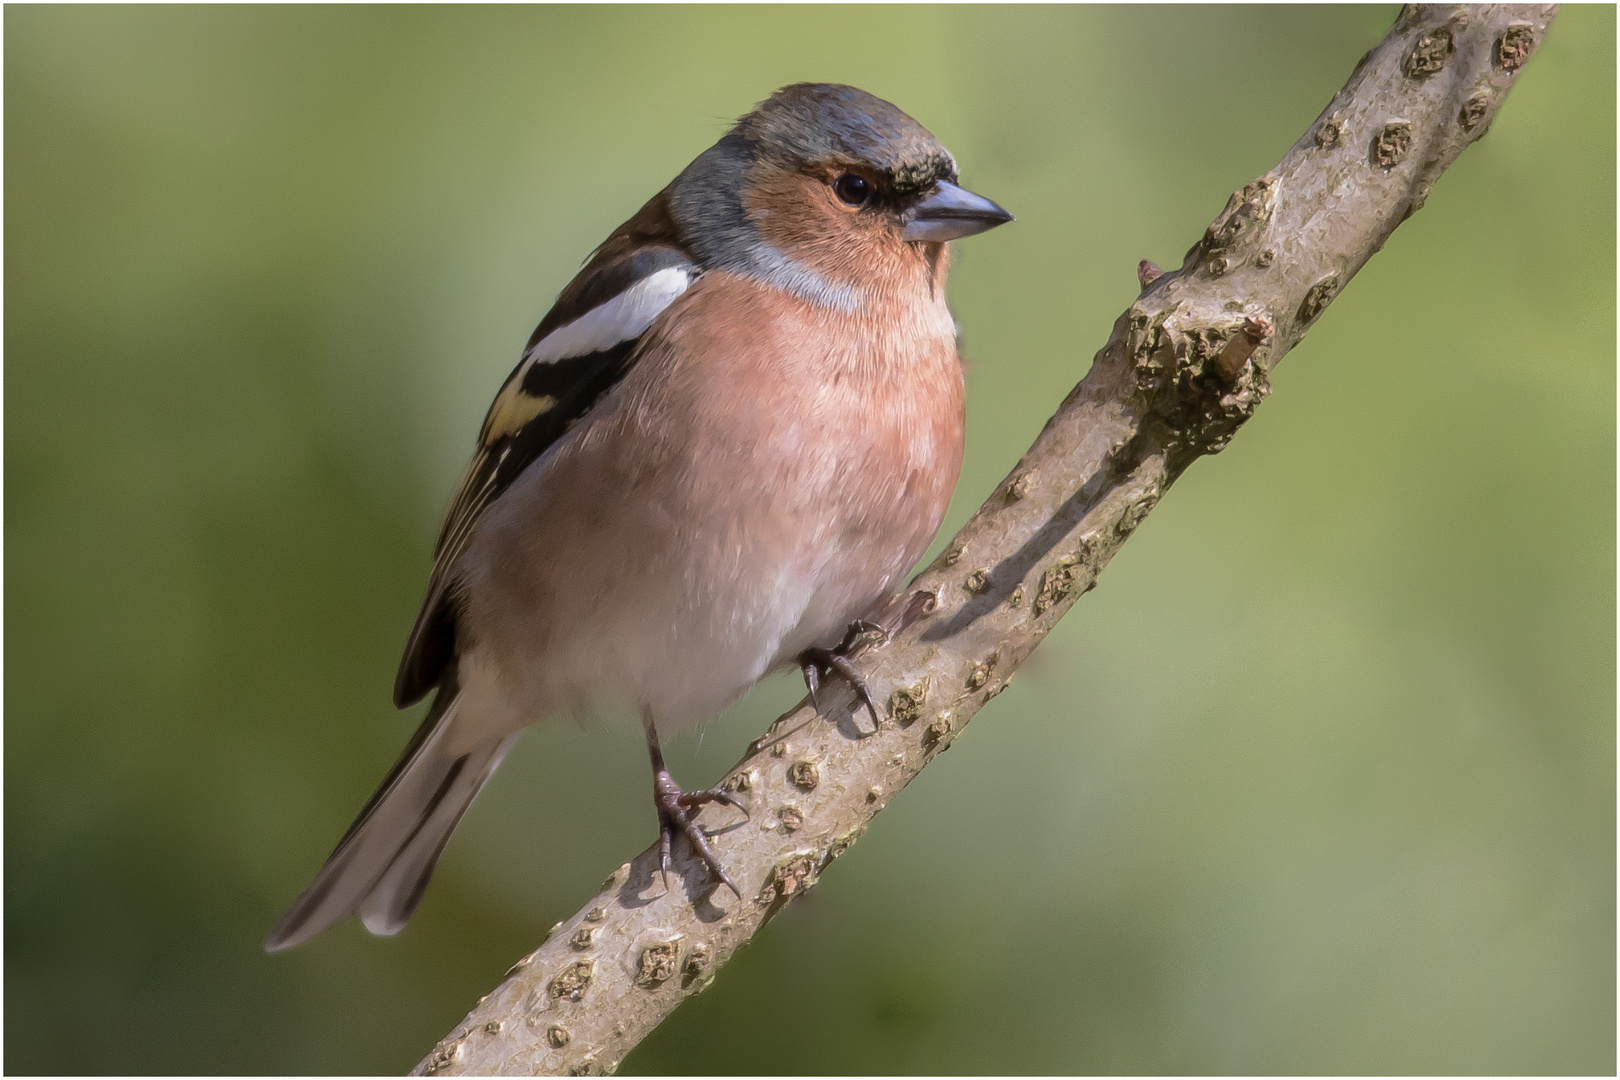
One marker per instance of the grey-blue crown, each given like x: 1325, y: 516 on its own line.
x: 816, y: 121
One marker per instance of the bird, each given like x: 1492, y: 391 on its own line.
x: 733, y: 433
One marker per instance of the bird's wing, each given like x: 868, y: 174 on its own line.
x: 580, y: 350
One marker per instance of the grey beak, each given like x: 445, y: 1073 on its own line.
x: 950, y: 213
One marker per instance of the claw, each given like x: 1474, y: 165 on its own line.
x: 712, y: 795
x: 816, y: 662
x: 673, y: 803
x: 663, y: 849
x: 853, y: 677
x: 857, y: 630
x: 812, y: 682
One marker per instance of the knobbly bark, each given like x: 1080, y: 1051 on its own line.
x: 1185, y: 366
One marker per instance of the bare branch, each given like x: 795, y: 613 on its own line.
x: 1185, y: 366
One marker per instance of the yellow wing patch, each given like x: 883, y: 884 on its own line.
x: 513, y: 409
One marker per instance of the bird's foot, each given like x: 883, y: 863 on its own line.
x: 677, y: 811
x: 817, y: 664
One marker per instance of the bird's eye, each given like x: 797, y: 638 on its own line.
x: 852, y: 190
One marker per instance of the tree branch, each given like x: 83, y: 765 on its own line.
x: 1185, y: 366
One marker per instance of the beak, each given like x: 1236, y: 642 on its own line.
x: 949, y: 213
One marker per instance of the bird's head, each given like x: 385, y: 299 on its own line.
x: 816, y: 183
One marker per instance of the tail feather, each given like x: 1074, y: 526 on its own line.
x: 388, y: 906
x: 381, y: 866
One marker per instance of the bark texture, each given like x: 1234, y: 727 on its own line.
x: 1185, y: 366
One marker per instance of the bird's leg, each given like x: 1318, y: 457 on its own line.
x: 817, y: 664
x: 676, y: 812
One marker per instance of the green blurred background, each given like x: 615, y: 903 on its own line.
x: 1320, y: 779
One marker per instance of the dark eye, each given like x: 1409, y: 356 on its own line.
x: 852, y: 190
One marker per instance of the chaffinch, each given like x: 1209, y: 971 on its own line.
x: 735, y: 430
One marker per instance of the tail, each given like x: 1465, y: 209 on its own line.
x: 381, y: 866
